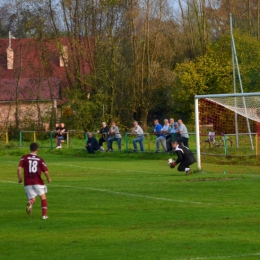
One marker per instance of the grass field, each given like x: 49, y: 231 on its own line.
x: 129, y: 208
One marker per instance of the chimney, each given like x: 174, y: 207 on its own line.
x: 10, y: 58
x: 10, y: 54
x: 64, y: 56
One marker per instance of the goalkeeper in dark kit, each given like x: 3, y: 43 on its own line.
x: 185, y: 158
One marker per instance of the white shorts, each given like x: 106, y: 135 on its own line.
x: 35, y: 190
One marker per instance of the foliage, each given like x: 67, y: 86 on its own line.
x: 82, y: 111
x: 212, y: 73
x: 136, y: 46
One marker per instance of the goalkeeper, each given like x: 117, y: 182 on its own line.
x: 185, y: 158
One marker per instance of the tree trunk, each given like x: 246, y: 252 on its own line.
x: 258, y: 19
x: 143, y: 119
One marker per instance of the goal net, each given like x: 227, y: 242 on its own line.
x: 228, y: 124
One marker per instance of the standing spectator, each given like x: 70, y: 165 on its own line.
x: 33, y: 166
x: 161, y: 138
x: 137, y: 130
x: 184, y: 136
x: 115, y: 136
x: 92, y: 144
x: 62, y: 135
x: 173, y: 133
x: 185, y: 158
x: 56, y: 132
x: 166, y: 130
x: 104, y: 131
x: 171, y: 124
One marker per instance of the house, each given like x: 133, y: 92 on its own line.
x: 33, y: 74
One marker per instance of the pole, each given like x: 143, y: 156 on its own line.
x: 126, y: 141
x: 242, y: 91
x: 21, y: 137
x: 68, y: 139
x: 234, y: 78
x: 34, y: 136
x: 51, y: 140
x: 225, y: 145
x: 149, y: 142
x: 86, y: 137
x: 6, y: 137
x: 197, y: 125
x: 256, y: 144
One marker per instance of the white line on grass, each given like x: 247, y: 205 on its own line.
x: 98, y: 168
x: 133, y: 195
x: 221, y: 257
x: 122, y: 193
x: 88, y: 167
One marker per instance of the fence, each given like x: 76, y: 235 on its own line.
x: 226, y: 145
x: 222, y: 145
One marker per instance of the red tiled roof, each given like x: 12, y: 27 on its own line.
x: 37, y: 73
x: 29, y: 89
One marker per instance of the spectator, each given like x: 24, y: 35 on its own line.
x: 137, y: 130
x: 115, y: 136
x: 166, y: 130
x: 104, y: 131
x: 184, y: 136
x: 92, y: 144
x: 185, y: 158
x: 62, y: 135
x: 161, y: 138
x: 171, y: 124
x: 173, y: 133
x: 56, y: 132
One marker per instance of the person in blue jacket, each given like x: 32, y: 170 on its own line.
x: 161, y: 138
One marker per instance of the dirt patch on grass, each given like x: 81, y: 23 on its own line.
x: 212, y: 179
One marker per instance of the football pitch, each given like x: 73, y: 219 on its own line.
x: 126, y: 208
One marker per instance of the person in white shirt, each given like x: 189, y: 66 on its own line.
x: 137, y: 130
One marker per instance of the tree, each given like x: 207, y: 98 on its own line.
x: 212, y: 73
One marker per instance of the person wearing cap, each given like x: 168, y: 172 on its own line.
x: 174, y: 136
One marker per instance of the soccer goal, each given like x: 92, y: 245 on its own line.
x: 233, y: 118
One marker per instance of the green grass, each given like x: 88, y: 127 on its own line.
x: 108, y: 206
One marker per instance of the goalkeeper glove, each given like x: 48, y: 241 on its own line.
x: 173, y: 164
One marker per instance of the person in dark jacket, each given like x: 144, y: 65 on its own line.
x: 104, y: 131
x: 92, y: 144
x: 185, y: 158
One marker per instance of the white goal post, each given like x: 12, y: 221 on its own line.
x: 244, y: 104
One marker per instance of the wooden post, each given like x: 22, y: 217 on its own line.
x: 68, y: 139
x: 256, y: 144
x: 6, y: 137
x: 149, y: 146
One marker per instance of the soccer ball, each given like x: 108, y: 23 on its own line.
x: 170, y: 161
